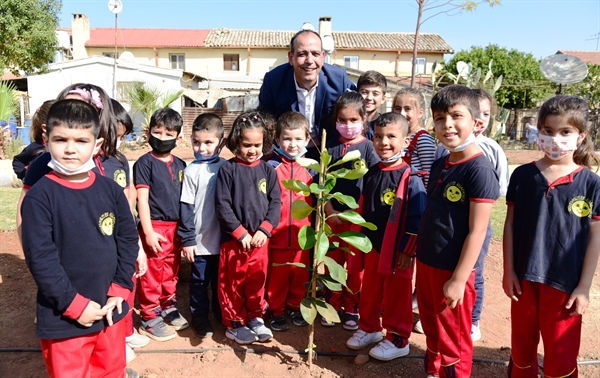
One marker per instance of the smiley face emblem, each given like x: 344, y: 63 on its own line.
x: 581, y: 209
x: 453, y: 193
x: 388, y: 197
x: 359, y: 164
x: 262, y: 185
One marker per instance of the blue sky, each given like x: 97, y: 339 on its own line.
x: 540, y: 27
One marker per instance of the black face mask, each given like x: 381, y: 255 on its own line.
x: 161, y: 146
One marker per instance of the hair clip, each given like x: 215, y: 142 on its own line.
x: 244, y: 119
x: 92, y: 96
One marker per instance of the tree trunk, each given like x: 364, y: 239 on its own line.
x: 413, y: 74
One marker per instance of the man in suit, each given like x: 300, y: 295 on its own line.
x: 306, y: 85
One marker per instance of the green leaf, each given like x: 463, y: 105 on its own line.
x: 327, y: 311
x: 352, y: 155
x: 337, y: 272
x: 296, y: 186
x: 308, y: 309
x: 299, y: 265
x: 331, y: 284
x: 345, y: 200
x: 309, y: 164
x: 351, y: 174
x: 329, y: 183
x: 325, y: 158
x: 307, y: 237
x: 322, y: 245
x: 301, y: 210
x: 356, y: 239
x: 351, y: 216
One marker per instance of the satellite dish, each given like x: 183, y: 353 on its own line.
x: 328, y: 44
x: 127, y: 56
x: 307, y: 26
x: 115, y: 6
x: 564, y: 69
x: 464, y: 70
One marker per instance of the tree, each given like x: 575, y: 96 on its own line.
x: 27, y: 32
x: 437, y: 7
x: 148, y: 98
x: 523, y: 84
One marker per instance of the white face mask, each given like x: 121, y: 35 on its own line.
x: 557, y: 148
x: 393, y: 159
x: 461, y: 147
x: 56, y: 166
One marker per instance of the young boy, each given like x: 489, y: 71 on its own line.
x: 157, y: 176
x: 80, y: 244
x: 372, y: 86
x: 393, y: 200
x: 199, y: 228
x: 285, y: 283
x: 460, y: 195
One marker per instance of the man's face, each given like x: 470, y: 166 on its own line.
x: 307, y: 59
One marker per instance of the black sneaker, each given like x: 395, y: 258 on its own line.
x: 297, y: 318
x: 202, y: 328
x: 279, y: 323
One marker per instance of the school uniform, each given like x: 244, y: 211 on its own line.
x: 442, y: 233
x: 384, y: 286
x: 80, y: 245
x: 22, y: 160
x: 248, y: 200
x: 285, y: 284
x: 420, y: 153
x: 163, y: 180
x: 550, y: 238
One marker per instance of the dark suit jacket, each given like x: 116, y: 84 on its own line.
x: 278, y: 94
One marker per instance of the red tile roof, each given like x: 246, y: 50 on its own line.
x: 592, y: 57
x: 128, y: 37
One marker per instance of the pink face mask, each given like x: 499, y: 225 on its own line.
x: 349, y: 130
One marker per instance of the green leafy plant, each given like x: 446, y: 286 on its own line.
x: 147, y: 98
x: 8, y: 107
x: 319, y: 237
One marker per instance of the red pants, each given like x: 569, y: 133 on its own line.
x: 541, y: 309
x: 447, y: 331
x: 242, y: 277
x: 100, y: 354
x: 128, y: 319
x: 285, y: 283
x: 391, y: 293
x: 159, y: 284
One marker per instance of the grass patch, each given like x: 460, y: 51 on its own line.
x: 8, y: 208
x: 498, y: 216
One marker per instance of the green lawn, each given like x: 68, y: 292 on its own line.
x: 8, y: 208
x: 498, y: 216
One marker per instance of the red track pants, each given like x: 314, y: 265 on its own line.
x: 285, y: 283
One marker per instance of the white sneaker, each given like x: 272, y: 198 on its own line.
x: 136, y: 340
x: 475, y: 332
x: 386, y: 351
x: 257, y: 325
x: 361, y: 339
x: 418, y: 327
x: 129, y: 354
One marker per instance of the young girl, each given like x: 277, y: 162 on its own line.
x: 350, y: 117
x: 248, y: 206
x: 420, y: 152
x: 552, y: 241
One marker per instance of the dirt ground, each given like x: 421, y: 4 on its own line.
x: 189, y: 356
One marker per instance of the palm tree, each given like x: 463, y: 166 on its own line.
x: 146, y: 98
x: 8, y: 107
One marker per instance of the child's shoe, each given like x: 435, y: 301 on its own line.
x: 361, y: 339
x: 387, y: 351
x: 418, y: 327
x: 475, y: 331
x: 241, y: 335
x: 129, y: 354
x: 350, y: 321
x: 297, y: 318
x: 174, y: 319
x: 202, y: 327
x: 136, y: 340
x: 279, y: 323
x: 157, y: 329
x: 257, y: 325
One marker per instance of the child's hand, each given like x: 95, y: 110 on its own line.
x: 454, y: 291
x: 247, y: 243
x: 578, y: 301
x: 511, y: 285
x: 405, y: 261
x: 153, y: 241
x: 189, y: 253
x: 92, y: 313
x: 141, y: 263
x: 110, y: 305
x: 259, y: 239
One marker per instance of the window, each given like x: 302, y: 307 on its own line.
x: 351, y: 61
x: 109, y: 54
x: 177, y: 61
x: 420, y: 65
x: 231, y: 62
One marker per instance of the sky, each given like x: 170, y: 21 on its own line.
x: 539, y: 27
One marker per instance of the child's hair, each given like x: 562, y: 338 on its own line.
x: 482, y: 94
x: 270, y: 122
x: 417, y: 95
x: 392, y: 118
x: 291, y: 121
x: 350, y: 99
x: 210, y: 123
x: 168, y: 118
x: 122, y: 117
x: 39, y: 119
x: 247, y: 121
x: 453, y: 95
x: 575, y: 112
x: 372, y: 78
x: 74, y: 114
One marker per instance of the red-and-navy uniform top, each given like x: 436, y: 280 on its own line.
x: 445, y: 223
x: 379, y: 191
x: 80, y: 244
x: 368, y: 158
x: 552, y: 224
x: 248, y: 198
x: 163, y: 180
x: 22, y: 160
x: 285, y: 235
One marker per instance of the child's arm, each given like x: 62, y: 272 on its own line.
x: 510, y: 282
x: 152, y: 238
x: 580, y: 297
x: 187, y: 231
x: 416, y: 205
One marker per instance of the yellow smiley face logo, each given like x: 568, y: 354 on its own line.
x: 107, y: 223
x: 359, y: 164
x: 453, y: 194
x: 581, y: 209
x: 262, y: 185
x: 388, y: 197
x: 120, y: 178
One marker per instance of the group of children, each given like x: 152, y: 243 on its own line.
x: 232, y: 220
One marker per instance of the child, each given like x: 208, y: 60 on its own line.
x: 351, y: 116
x: 80, y: 245
x: 199, y: 228
x: 532, y: 133
x: 460, y: 195
x: 248, y: 207
x: 552, y: 241
x: 420, y: 152
x: 157, y: 176
x: 372, y: 86
x: 285, y: 283
x: 36, y: 148
x: 389, y: 188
